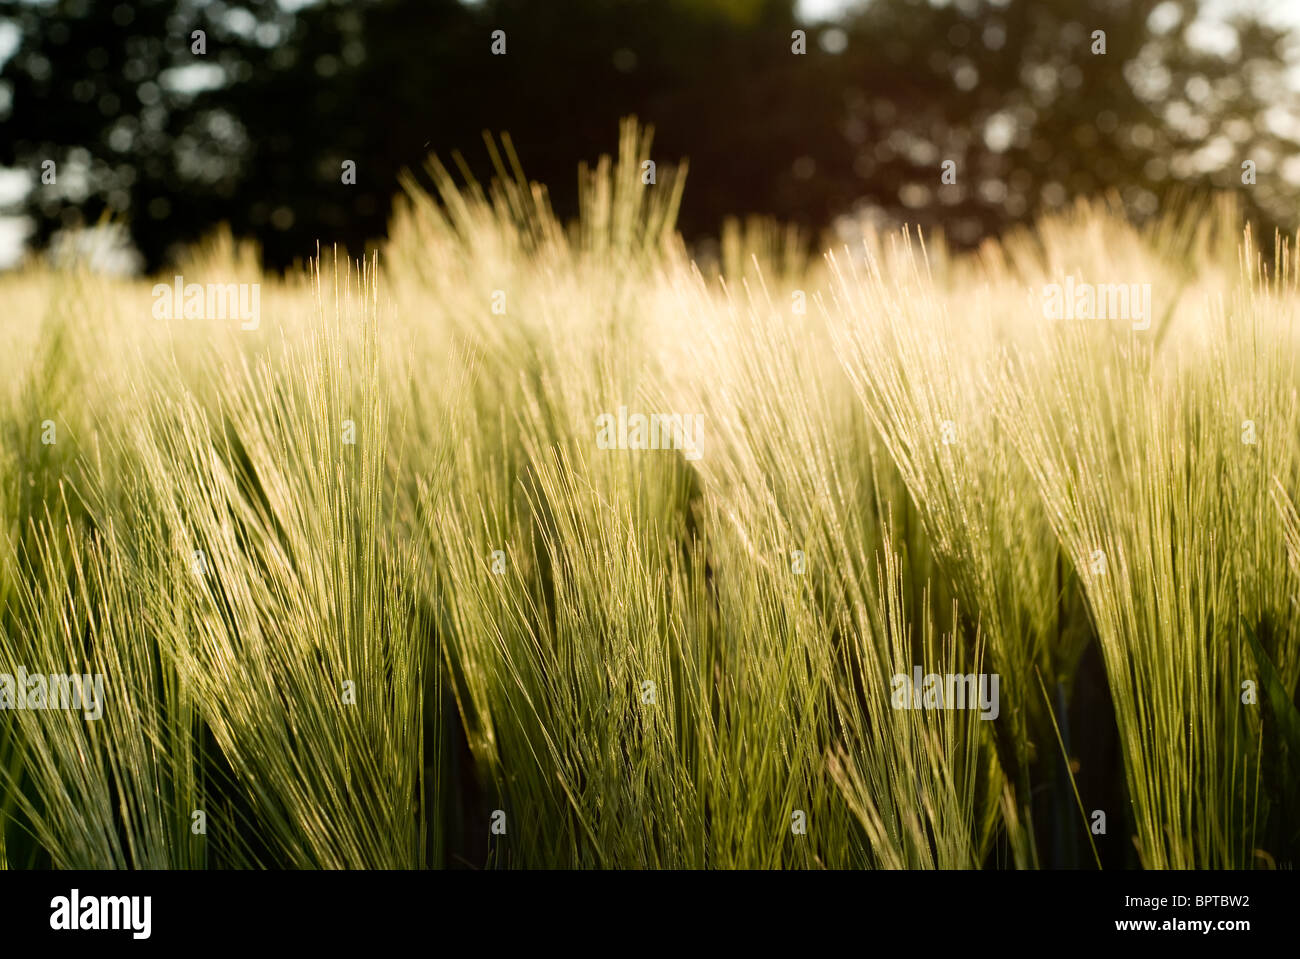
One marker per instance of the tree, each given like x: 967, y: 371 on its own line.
x: 293, y: 128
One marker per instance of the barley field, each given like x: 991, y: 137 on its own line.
x: 385, y: 582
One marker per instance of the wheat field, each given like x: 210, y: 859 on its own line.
x: 366, y: 591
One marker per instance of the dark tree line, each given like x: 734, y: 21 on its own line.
x: 255, y: 129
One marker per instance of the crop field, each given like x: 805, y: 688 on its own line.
x: 522, y: 543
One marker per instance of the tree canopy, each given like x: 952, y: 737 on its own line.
x: 252, y: 119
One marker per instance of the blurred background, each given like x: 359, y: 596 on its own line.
x: 165, y: 142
